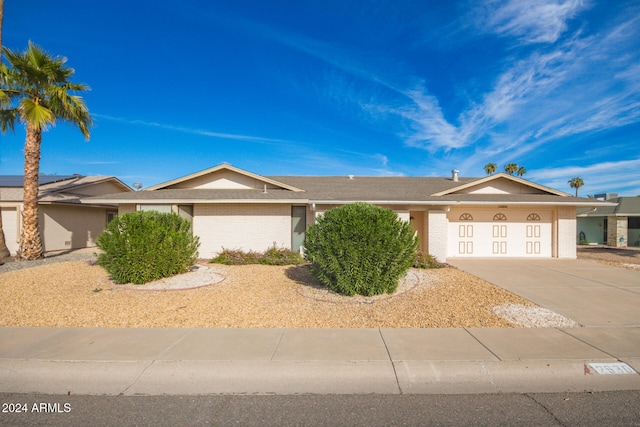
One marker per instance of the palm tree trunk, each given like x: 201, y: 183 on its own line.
x: 30, y: 241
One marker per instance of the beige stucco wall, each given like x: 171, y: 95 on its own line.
x: 241, y: 226
x: 566, y: 232
x: 10, y: 226
x: 126, y: 208
x: 71, y: 227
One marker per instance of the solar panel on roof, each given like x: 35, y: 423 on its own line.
x: 17, y: 180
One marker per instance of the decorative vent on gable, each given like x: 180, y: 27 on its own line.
x: 466, y: 217
x: 499, y: 217
x: 533, y: 217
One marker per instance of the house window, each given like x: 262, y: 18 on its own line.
x: 466, y: 217
x: 298, y: 226
x: 533, y: 217
x: 158, y: 208
x: 111, y: 215
x: 499, y: 217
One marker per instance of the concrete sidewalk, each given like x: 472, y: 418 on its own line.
x: 291, y: 361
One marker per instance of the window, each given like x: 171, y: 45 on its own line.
x: 111, y: 215
x: 466, y: 217
x: 499, y: 217
x: 159, y: 208
x: 533, y: 217
x: 634, y: 222
x: 298, y: 226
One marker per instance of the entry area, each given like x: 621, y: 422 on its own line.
x: 499, y: 233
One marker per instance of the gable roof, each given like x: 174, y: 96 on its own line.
x: 202, y: 187
x: 213, y: 170
x: 502, y: 176
x: 58, y: 189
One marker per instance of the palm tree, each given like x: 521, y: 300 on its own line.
x: 40, y: 93
x: 521, y: 171
x: 511, y: 168
x: 576, y: 183
x: 4, y: 251
x: 490, y: 168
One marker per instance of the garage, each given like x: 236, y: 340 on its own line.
x: 500, y: 232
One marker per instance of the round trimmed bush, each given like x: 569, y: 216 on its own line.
x: 360, y: 249
x: 143, y: 246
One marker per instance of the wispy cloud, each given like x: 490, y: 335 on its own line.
x: 540, y: 21
x: 598, y: 177
x: 582, y: 85
x: 200, y: 132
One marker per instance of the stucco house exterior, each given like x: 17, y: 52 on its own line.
x: 65, y: 222
x: 494, y: 216
x: 617, y: 225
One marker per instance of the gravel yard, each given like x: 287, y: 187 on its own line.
x: 67, y: 290
x: 628, y: 258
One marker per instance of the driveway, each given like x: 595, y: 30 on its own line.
x: 592, y: 294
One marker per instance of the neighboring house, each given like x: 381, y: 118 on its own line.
x: 617, y: 226
x: 65, y: 223
x: 495, y: 216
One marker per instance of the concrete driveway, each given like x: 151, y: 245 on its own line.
x: 592, y: 294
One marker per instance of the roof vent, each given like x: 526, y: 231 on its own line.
x: 454, y: 175
x: 350, y: 176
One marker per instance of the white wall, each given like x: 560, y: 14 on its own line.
x: 241, y: 226
x: 438, y: 226
x: 567, y: 232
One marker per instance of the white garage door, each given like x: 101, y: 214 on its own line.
x: 504, y: 233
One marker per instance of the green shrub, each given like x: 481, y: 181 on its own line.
x: 272, y: 256
x: 360, y: 249
x: 424, y: 260
x: 144, y: 246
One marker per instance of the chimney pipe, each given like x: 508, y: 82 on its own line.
x: 454, y: 175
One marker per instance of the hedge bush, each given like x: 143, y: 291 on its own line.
x: 144, y: 246
x: 272, y: 256
x: 360, y: 249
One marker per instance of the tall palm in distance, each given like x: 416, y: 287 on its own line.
x: 39, y: 94
x: 511, y: 168
x: 490, y: 168
x: 576, y: 183
x: 521, y: 170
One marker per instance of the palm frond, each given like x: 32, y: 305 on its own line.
x: 8, y: 120
x: 36, y: 113
x: 40, y: 84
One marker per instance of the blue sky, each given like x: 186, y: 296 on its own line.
x: 412, y: 88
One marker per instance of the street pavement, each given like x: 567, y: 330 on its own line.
x: 617, y: 408
x: 602, y: 355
